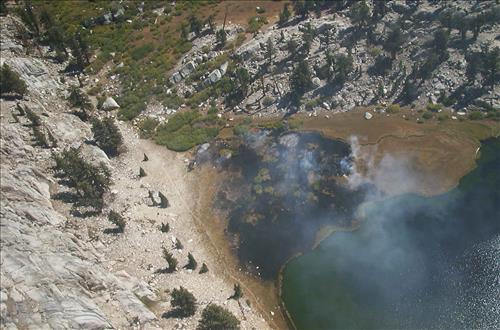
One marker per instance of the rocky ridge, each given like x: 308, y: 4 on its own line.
x: 335, y: 33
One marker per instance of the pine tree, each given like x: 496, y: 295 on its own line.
x: 238, y: 293
x: 89, y: 181
x: 142, y: 173
x: 215, y: 317
x: 308, y: 35
x: 84, y: 47
x: 394, y: 41
x: 270, y: 50
x: 195, y: 24
x: 178, y: 244
x: 221, y: 38
x: 204, y: 268
x: 300, y: 81
x: 29, y: 18
x: 107, y: 136
x: 184, y: 301
x: 163, y: 200
x: 192, y: 264
x: 360, y: 13
x: 284, y: 15
x: 171, y: 261
x: 300, y: 8
x: 165, y: 227
x: 211, y: 23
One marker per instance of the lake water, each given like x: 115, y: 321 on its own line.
x: 415, y: 262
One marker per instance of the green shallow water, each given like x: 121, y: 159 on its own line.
x: 415, y: 262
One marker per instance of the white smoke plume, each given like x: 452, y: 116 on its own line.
x: 392, y: 175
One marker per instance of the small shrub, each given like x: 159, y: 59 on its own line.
x: 382, y: 65
x: 95, y: 90
x: 310, y: 104
x: 267, y: 101
x: 427, y: 115
x: 147, y: 127
x: 165, y: 227
x: 11, y: 82
x: 215, y: 317
x: 443, y: 117
x: 118, y: 220
x: 255, y: 23
x: 184, y: 301
x: 33, y: 117
x: 393, y: 108
x: 107, y: 136
x: 204, y: 268
x: 212, y: 110
x: 140, y: 52
x: 374, y: 52
x: 77, y: 99
x: 192, y: 264
x: 295, y: 123
x: 40, y: 138
x: 475, y: 115
x: 434, y: 107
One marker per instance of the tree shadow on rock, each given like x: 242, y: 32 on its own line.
x: 66, y: 197
x: 175, y: 313
x: 84, y: 214
x: 112, y: 231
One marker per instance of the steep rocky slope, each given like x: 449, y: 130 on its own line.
x: 60, y: 270
x: 50, y: 278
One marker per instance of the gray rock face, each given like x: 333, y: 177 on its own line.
x: 33, y: 71
x: 50, y: 278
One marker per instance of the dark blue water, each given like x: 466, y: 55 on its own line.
x: 415, y: 262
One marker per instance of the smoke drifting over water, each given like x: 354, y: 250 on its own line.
x: 414, y: 262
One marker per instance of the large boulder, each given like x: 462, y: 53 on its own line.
x: 110, y: 104
x: 223, y: 68
x: 187, y: 69
x: 176, y: 78
x: 214, y: 76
